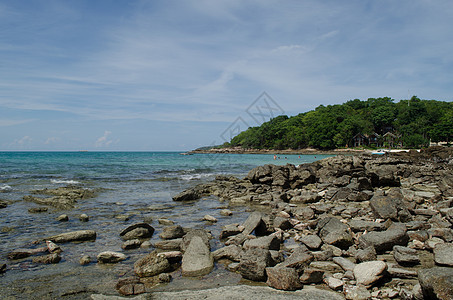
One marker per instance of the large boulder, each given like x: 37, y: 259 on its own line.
x: 443, y: 254
x: 137, y: 231
x: 436, y: 283
x: 197, y: 260
x: 382, y: 241
x: 332, y: 231
x: 151, y: 265
x: 253, y: 264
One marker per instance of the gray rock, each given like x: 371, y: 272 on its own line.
x: 188, y: 195
x: 436, y: 283
x: 369, y: 272
x: 270, y: 242
x: 253, y: 264
x: 281, y: 278
x: 226, y: 212
x: 131, y: 244
x: 405, y: 255
x: 395, y: 271
x: 35, y: 210
x: 165, y: 222
x: 197, y: 260
x: 298, y: 260
x: 253, y: 222
x: 326, y: 266
x: 110, y: 257
x: 332, y: 231
x: 367, y: 254
x: 172, y: 232
x: 357, y: 293
x: 305, y: 213
x: 210, y: 218
x: 63, y: 218
x: 282, y: 223
x: 74, y: 236
x: 151, y: 265
x: 312, y: 241
x: 231, y: 252
x: 203, y: 234
x: 333, y: 283
x: 344, y: 263
x: 384, y: 207
x: 174, y: 244
x: 130, y: 286
x: 165, y: 278
x: 137, y: 231
x: 230, y: 230
x: 361, y: 225
x: 443, y: 254
x: 53, y: 258
x: 85, y: 260
x: 84, y: 218
x: 396, y: 234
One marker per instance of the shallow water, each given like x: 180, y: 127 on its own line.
x: 128, y: 185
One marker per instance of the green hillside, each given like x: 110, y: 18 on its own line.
x: 410, y: 123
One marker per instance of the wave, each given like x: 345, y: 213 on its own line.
x: 5, y: 188
x: 58, y: 181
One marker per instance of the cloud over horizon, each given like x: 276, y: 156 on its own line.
x: 180, y: 72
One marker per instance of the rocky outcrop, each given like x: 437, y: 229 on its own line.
x: 62, y: 197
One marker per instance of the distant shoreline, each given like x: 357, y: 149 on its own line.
x: 308, y: 151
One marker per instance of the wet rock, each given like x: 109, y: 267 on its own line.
x: 74, y: 236
x: 443, y: 254
x: 253, y: 264
x: 209, y: 218
x: 197, y: 260
x: 281, y: 278
x: 174, y: 244
x: 312, y: 241
x: 84, y: 218
x: 35, y: 210
x: 110, y: 257
x: 405, y: 255
x: 333, y: 231
x: 3, y: 204
x: 63, y: 218
x: 188, y: 195
x: 436, y: 283
x: 396, y: 234
x: 2, y: 267
x: 226, y: 212
x: 131, y: 244
x: 53, y: 258
x: 85, y: 260
x: 165, y: 222
x: 137, y: 231
x: 369, y: 272
x: 238, y: 239
x: 130, y: 286
x: 311, y: 275
x: 172, y: 232
x: 230, y: 230
x: 151, y: 265
x: 23, y: 253
x: 231, y: 252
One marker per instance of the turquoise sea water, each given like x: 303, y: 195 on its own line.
x: 129, y: 187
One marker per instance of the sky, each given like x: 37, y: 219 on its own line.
x: 162, y: 75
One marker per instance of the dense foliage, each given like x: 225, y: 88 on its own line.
x: 414, y: 122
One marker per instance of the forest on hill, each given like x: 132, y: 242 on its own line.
x: 376, y: 122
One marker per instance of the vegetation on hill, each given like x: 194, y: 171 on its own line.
x: 414, y: 122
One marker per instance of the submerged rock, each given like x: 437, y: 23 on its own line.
x: 53, y: 258
x: 74, y: 236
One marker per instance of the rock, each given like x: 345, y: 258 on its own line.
x: 285, y: 279
x: 137, y: 231
x: 357, y: 293
x: 395, y: 271
x: 431, y: 243
x: 361, y: 225
x: 405, y: 255
x: 164, y: 278
x: 35, y: 210
x: 333, y: 283
x: 226, y: 212
x: 436, y: 283
x: 110, y: 257
x: 172, y: 232
x: 443, y: 254
x: 312, y: 241
x: 282, y: 223
x: 130, y: 286
x: 344, y: 263
x: 369, y: 272
x: 382, y: 241
x: 53, y: 258
x: 188, y: 195
x: 63, y: 218
x: 238, y: 239
x: 253, y: 222
x: 304, y: 213
x: 84, y: 218
x: 174, y: 244
x: 74, y: 236
x: 172, y: 256
x: 165, y: 221
x: 384, y: 207
x: 85, y: 260
x: 2, y: 267
x: 23, y: 253
x: 311, y: 275
x: 298, y: 260
x: 203, y: 234
x: 333, y: 231
x: 3, y: 204
x: 131, y: 244
x: 197, y: 260
x: 253, y: 264
x: 231, y: 252
x: 209, y: 218
x: 151, y: 265
x: 52, y: 247
x: 230, y: 230
x: 367, y: 254
x: 326, y: 266
x: 270, y: 242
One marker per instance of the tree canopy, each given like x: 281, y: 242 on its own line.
x: 414, y: 121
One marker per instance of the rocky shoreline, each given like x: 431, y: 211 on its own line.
x: 307, y: 151
x: 346, y: 227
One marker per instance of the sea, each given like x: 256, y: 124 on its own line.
x: 129, y: 187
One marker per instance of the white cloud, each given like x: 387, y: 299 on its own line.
x: 51, y: 140
x: 103, y: 141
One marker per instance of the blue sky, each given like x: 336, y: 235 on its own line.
x: 175, y: 75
